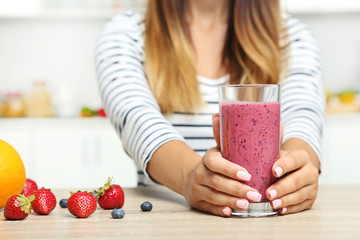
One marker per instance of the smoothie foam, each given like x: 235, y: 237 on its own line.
x: 250, y: 137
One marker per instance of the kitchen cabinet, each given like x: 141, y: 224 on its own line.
x: 321, y: 6
x: 69, y: 152
x: 341, y: 148
x: 104, y: 10
x: 83, y: 152
x: 76, y: 9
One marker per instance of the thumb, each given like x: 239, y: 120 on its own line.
x: 216, y: 128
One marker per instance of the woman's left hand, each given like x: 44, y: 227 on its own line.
x: 297, y: 186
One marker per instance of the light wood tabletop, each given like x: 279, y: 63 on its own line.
x: 335, y: 215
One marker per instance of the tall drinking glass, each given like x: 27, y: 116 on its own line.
x: 250, y: 136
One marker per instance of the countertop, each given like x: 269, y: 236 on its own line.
x: 335, y: 215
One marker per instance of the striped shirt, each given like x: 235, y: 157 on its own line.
x: 135, y: 114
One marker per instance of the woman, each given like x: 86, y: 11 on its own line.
x: 158, y: 78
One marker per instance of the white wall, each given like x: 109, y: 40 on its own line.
x: 338, y: 35
x: 60, y: 50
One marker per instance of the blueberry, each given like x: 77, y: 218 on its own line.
x: 146, y: 206
x: 63, y: 203
x: 118, y: 213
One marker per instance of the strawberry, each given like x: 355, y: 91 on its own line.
x: 44, y: 201
x: 18, y: 207
x: 29, y: 188
x: 81, y: 204
x: 110, y: 195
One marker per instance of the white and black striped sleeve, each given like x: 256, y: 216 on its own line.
x: 126, y: 96
x: 302, y: 90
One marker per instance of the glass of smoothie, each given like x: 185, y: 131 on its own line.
x: 250, y: 136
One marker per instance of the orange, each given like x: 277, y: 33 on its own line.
x: 12, y: 173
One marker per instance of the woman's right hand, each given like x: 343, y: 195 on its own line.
x: 216, y: 184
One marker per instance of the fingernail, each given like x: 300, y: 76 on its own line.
x: 284, y: 210
x: 254, y: 196
x: 243, y: 204
x: 273, y: 193
x: 278, y: 171
x: 227, y: 211
x: 243, y: 175
x: 276, y: 203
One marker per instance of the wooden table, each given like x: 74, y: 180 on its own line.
x: 335, y: 215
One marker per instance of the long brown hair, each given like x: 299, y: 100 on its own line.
x: 251, y: 51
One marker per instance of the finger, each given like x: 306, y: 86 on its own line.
x: 305, y: 193
x: 308, y: 175
x: 289, y: 161
x: 307, y: 204
x: 216, y: 163
x: 228, y: 186
x: 215, y: 197
x: 216, y: 128
x: 204, y: 206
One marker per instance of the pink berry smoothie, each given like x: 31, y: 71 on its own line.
x: 250, y: 137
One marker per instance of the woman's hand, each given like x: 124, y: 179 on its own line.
x: 215, y: 185
x: 297, y: 187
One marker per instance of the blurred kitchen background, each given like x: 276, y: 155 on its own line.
x: 63, y: 137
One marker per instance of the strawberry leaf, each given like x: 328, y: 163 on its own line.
x: 107, y: 185
x: 31, y: 198
x: 24, y: 203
